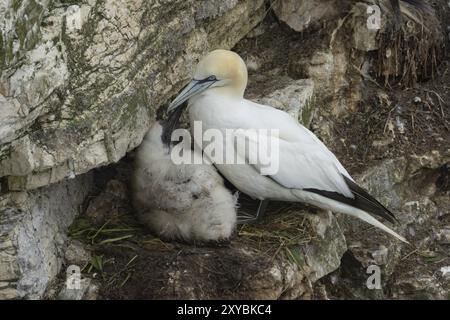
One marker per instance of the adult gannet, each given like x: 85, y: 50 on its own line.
x: 179, y: 202
x: 308, y: 172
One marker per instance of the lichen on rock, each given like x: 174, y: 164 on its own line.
x: 88, y: 88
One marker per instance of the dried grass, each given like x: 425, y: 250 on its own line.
x: 412, y: 53
x: 287, y: 227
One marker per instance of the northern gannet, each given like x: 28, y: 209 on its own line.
x: 179, y: 202
x: 307, y: 172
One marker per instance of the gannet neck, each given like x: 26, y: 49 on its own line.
x: 225, y: 93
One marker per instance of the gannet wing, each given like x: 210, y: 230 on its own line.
x: 302, y: 163
x: 305, y: 163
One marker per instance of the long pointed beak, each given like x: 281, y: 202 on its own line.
x: 193, y: 88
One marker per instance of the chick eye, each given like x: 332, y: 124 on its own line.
x: 211, y: 78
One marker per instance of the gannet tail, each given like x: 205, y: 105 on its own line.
x: 321, y: 200
x: 371, y: 220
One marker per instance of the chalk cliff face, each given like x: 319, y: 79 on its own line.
x: 82, y: 80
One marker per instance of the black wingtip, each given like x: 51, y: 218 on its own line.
x: 362, y: 200
x: 364, y: 197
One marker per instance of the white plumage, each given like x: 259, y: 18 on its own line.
x: 185, y: 202
x: 304, y: 162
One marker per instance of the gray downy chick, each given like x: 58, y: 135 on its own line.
x: 187, y: 202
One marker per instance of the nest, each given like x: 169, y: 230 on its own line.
x: 286, y: 227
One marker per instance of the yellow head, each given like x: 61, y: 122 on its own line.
x: 220, y: 70
x: 228, y: 68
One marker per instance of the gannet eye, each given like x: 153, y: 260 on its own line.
x: 211, y: 78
